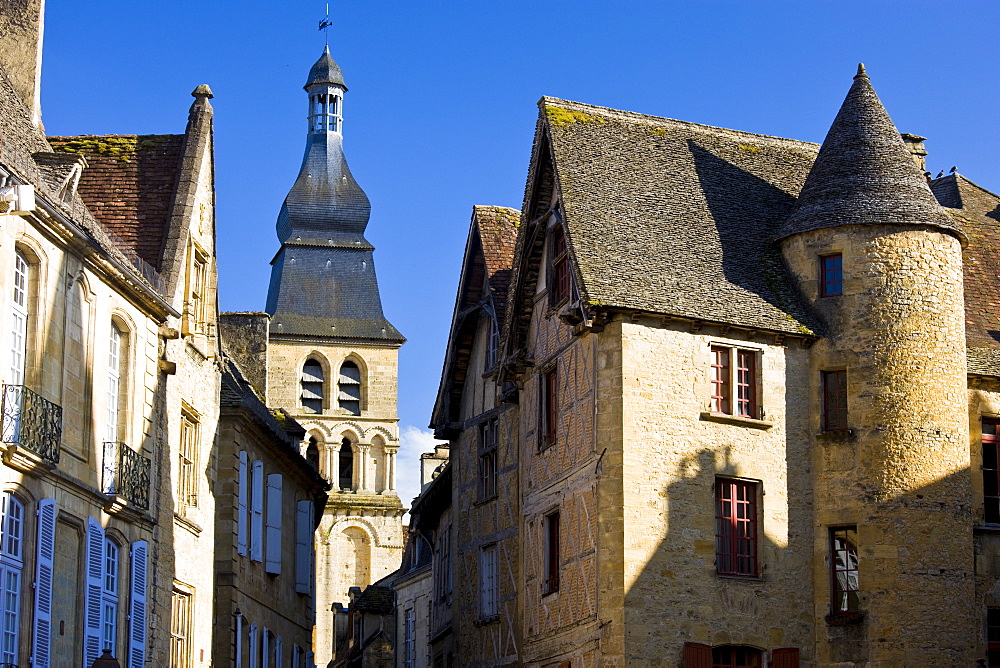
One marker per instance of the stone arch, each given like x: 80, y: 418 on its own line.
x: 315, y: 452
x: 379, y: 457
x: 356, y: 556
x: 386, y: 434
x: 361, y: 523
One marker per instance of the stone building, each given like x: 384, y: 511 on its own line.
x: 110, y: 381
x: 332, y: 357
x: 751, y: 389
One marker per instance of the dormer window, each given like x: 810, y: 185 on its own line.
x: 559, y: 281
x: 349, y: 396
x: 312, y: 387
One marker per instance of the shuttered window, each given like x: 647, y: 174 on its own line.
x: 488, y: 460
x: 272, y: 563
x: 11, y: 565
x: 93, y: 606
x: 243, y: 480
x: 137, y: 604
x: 312, y: 387
x: 303, y: 547
x: 834, y: 400
x: 42, y: 626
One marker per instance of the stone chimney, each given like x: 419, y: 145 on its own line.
x: 430, y: 462
x: 21, y: 23
x: 915, y: 145
x: 244, y: 338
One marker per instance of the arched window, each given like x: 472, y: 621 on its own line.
x: 116, y: 364
x: 109, y: 597
x: 346, y: 464
x: 312, y: 453
x: 349, y: 397
x: 19, y: 320
x: 312, y: 387
x: 11, y: 563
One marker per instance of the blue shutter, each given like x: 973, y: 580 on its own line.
x: 239, y: 641
x: 241, y: 511
x: 277, y: 652
x: 272, y: 564
x: 303, y: 543
x: 95, y: 586
x: 265, y: 649
x: 40, y: 650
x: 257, y: 512
x: 137, y: 605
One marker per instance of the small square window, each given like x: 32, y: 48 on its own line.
x: 744, y: 377
x: 831, y: 274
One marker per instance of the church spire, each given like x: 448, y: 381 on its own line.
x: 864, y: 174
x: 323, y: 278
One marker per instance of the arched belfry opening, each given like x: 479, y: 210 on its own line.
x: 349, y: 395
x: 312, y: 453
x: 346, y: 480
x: 312, y: 386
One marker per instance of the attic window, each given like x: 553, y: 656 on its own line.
x: 559, y: 281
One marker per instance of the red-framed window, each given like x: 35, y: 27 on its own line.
x: 991, y: 471
x: 735, y: 527
x: 746, y: 383
x: 730, y: 656
x: 831, y: 275
x: 993, y: 637
x: 551, y: 582
x: 560, y: 283
x: 844, y: 570
x: 721, y: 387
x: 697, y: 655
x: 834, y: 400
x: 549, y: 407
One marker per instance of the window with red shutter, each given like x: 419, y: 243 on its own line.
x: 991, y: 471
x: 697, y: 655
x: 786, y: 657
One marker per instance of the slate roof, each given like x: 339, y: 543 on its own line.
x: 977, y: 211
x: 376, y: 599
x: 129, y: 185
x: 864, y: 175
x: 676, y: 218
x: 325, y: 71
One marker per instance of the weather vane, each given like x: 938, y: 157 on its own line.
x: 326, y: 23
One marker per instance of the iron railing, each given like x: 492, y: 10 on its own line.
x: 31, y: 422
x: 126, y: 474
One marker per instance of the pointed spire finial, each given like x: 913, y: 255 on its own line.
x: 861, y: 71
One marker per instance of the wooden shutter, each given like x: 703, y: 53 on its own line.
x: 241, y: 512
x: 40, y: 650
x: 272, y: 563
x: 786, y: 657
x: 303, y: 543
x: 257, y: 512
x: 697, y: 655
x: 137, y: 604
x: 95, y: 586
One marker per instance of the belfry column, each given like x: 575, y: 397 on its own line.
x: 363, y: 478
x: 333, y: 460
x: 390, y: 469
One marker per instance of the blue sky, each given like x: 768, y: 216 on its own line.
x: 441, y: 108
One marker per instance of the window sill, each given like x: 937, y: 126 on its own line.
x: 188, y: 524
x: 845, y: 618
x: 483, y: 502
x: 744, y: 578
x: 483, y: 621
x: 836, y: 436
x: 986, y: 528
x: 737, y: 420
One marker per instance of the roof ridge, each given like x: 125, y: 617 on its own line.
x: 545, y: 99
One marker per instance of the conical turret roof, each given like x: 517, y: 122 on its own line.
x: 325, y: 71
x: 864, y: 174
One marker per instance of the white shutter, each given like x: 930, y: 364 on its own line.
x: 239, y: 641
x: 303, y: 547
x: 43, y: 583
x: 265, y: 652
x: 241, y: 512
x: 277, y: 652
x: 95, y: 586
x: 137, y: 605
x: 257, y: 512
x: 272, y: 563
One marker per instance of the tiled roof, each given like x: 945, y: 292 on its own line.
x: 864, y: 175
x: 129, y: 185
x: 977, y: 211
x: 677, y: 218
x: 498, y: 235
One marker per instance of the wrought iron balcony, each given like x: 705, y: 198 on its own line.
x: 126, y: 474
x: 31, y: 422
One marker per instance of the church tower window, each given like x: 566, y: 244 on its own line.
x: 312, y: 387
x: 349, y: 396
x: 346, y: 465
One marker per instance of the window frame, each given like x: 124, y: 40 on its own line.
x: 836, y: 591
x: 20, y: 317
x: 110, y: 596
x: 187, y: 460
x: 551, y: 553
x: 360, y: 385
x: 11, y: 576
x: 729, y: 555
x: 989, y: 445
x: 489, y: 582
x: 180, y: 629
x: 993, y: 636
x: 197, y: 289
x: 831, y: 279
x: 409, y: 639
x: 735, y: 379
x: 488, y: 448
x: 560, y: 280
x: 310, y: 385
x: 831, y: 408
x: 548, y: 433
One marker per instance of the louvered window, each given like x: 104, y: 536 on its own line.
x: 41, y: 648
x: 312, y: 387
x: 349, y: 395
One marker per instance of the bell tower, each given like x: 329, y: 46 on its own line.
x: 333, y: 357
